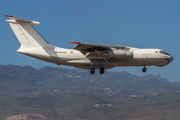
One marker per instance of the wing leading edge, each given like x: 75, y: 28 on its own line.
x: 90, y: 47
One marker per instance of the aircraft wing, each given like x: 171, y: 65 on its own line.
x: 90, y: 47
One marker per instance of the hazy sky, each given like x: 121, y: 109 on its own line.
x: 135, y: 23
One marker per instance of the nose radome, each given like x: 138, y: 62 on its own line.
x: 172, y: 58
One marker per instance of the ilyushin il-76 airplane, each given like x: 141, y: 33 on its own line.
x: 83, y: 55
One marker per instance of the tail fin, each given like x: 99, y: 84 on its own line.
x: 26, y: 33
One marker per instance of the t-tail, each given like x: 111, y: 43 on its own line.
x: 31, y: 41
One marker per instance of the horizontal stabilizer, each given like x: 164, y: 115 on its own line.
x: 19, y: 20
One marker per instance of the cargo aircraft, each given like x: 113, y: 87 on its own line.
x: 83, y: 55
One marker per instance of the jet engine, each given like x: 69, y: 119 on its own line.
x: 119, y: 54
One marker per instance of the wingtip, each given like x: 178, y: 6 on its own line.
x: 8, y: 16
x: 75, y: 42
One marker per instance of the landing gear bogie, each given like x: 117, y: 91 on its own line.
x: 101, y: 70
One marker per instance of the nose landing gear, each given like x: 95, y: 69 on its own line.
x: 144, y: 69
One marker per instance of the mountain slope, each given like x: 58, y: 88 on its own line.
x: 20, y: 80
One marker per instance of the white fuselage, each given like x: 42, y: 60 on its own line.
x: 70, y: 57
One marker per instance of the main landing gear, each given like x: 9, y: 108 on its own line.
x: 144, y: 69
x: 101, y: 70
x: 92, y: 70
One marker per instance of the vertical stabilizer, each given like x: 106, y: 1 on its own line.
x: 26, y: 33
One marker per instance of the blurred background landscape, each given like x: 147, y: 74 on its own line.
x: 55, y: 93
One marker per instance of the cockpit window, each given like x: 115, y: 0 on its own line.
x: 163, y: 52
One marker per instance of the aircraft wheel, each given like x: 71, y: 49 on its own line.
x: 101, y: 70
x: 144, y: 69
x: 92, y: 70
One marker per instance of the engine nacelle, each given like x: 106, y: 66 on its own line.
x: 119, y: 54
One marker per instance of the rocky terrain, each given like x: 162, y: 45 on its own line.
x: 55, y: 93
